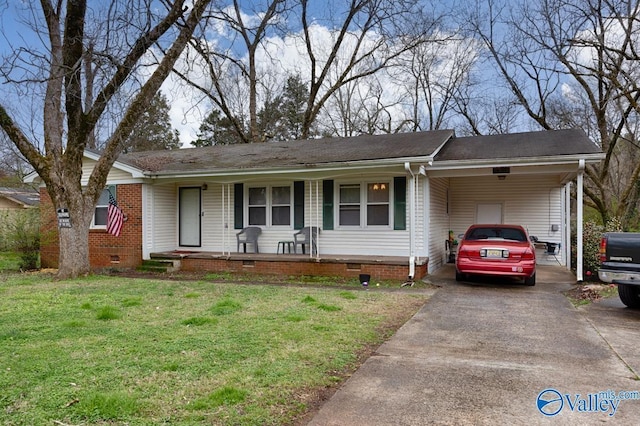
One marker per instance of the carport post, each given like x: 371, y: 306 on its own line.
x: 579, y: 208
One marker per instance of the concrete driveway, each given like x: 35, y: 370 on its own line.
x: 484, y: 352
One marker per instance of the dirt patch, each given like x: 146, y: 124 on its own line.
x: 582, y: 294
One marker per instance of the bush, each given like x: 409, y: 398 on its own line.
x: 591, y: 235
x: 20, y: 233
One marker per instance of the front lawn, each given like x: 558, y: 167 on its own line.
x: 9, y: 261
x: 112, y: 350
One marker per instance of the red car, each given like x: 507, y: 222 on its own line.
x: 498, y: 250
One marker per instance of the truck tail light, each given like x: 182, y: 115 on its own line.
x: 603, y: 250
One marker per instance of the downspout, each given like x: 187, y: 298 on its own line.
x: 579, y: 225
x: 567, y: 224
x: 412, y: 186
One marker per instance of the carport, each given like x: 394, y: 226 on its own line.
x: 524, y: 178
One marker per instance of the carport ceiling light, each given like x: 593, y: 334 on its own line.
x: 501, y: 170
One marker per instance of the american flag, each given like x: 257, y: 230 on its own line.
x: 115, y: 217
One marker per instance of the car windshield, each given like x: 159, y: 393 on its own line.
x: 496, y: 233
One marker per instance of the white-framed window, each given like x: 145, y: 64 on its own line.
x: 378, y: 212
x: 364, y: 204
x: 257, y: 206
x: 349, y: 205
x: 269, y: 205
x: 101, y: 211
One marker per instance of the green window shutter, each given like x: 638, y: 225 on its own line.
x: 327, y: 204
x: 400, y: 203
x: 298, y: 204
x: 238, y: 206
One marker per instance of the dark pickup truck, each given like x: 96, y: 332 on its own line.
x: 620, y: 264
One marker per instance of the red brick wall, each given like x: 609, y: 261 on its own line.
x: 297, y: 268
x: 105, y: 250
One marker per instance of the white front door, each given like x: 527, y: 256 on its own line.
x: 189, y: 214
x: 489, y: 213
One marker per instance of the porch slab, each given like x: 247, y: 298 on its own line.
x: 379, y: 267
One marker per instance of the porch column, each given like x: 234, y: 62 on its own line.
x: 579, y: 226
x: 315, y: 207
x: 567, y: 224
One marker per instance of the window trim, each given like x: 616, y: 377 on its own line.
x: 269, y: 205
x: 364, y: 203
x: 113, y: 190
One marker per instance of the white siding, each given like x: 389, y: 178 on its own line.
x: 115, y: 176
x: 439, y: 222
x: 218, y: 233
x: 382, y: 241
x: 532, y: 201
x: 161, y: 218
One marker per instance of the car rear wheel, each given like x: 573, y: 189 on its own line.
x: 629, y: 295
x: 459, y: 276
x: 530, y: 280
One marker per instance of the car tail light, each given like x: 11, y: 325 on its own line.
x: 528, y: 254
x: 603, y: 249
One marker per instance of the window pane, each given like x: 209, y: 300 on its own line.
x: 350, y: 215
x: 257, y: 215
x: 281, y: 215
x: 378, y: 192
x: 101, y: 216
x: 281, y: 195
x: 378, y: 214
x: 349, y: 194
x: 257, y: 196
x: 104, y: 198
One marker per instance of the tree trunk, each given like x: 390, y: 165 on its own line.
x: 74, y: 251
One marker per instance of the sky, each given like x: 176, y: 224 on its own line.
x: 188, y: 108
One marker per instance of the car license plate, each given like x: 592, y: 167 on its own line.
x: 494, y: 253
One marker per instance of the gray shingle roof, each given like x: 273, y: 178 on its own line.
x: 519, y: 145
x: 26, y: 197
x: 290, y: 154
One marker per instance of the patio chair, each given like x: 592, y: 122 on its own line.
x: 249, y: 235
x: 307, y: 236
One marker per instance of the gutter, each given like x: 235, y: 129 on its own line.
x: 506, y: 162
x: 299, y: 168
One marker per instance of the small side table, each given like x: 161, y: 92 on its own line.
x: 283, y: 244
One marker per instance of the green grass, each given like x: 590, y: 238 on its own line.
x: 107, y: 350
x: 9, y: 261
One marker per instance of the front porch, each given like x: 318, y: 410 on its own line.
x: 378, y: 267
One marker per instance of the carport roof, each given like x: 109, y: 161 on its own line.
x: 293, y: 154
x: 518, y: 145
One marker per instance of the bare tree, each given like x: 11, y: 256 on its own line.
x: 130, y: 30
x: 224, y: 65
x: 574, y: 64
x: 369, y: 37
x: 433, y: 77
x: 340, y: 45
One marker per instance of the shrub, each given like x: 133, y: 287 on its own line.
x: 591, y: 235
x: 21, y: 233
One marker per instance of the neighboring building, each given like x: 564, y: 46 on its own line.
x: 385, y: 204
x: 18, y: 199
